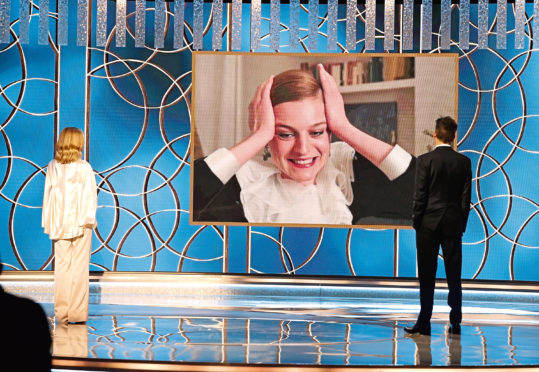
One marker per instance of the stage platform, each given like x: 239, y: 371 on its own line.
x: 171, y: 322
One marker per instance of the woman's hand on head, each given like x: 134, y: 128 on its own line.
x: 333, y: 103
x: 261, y: 123
x: 261, y: 117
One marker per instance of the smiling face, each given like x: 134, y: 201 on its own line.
x: 300, y: 147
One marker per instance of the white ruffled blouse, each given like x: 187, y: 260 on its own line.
x: 268, y: 198
x: 69, y: 199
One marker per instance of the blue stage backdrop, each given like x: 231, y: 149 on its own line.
x: 134, y: 104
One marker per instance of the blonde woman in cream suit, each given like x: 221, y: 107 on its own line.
x: 68, y: 217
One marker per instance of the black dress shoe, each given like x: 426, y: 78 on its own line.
x: 454, y: 329
x: 422, y: 330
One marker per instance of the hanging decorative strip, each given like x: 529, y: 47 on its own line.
x: 140, y: 23
x: 275, y: 16
x: 313, y: 24
x: 179, y: 16
x: 482, y: 24
x: 24, y: 22
x: 120, y: 22
x: 82, y: 22
x: 333, y: 7
x: 351, y: 16
x: 236, y: 24
x: 63, y: 22
x: 501, y: 24
x: 464, y: 24
x: 5, y: 7
x: 256, y: 13
x: 519, y: 23
x: 426, y: 25
x: 401, y: 15
x: 43, y: 26
x: 445, y: 24
x: 294, y: 24
x: 101, y: 32
x: 370, y: 24
x: 407, y: 20
x: 389, y: 24
x: 217, y: 25
x: 198, y: 23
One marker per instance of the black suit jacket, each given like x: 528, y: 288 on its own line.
x: 27, y: 339
x: 442, y: 190
x: 374, y: 195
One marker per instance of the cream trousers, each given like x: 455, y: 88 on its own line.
x: 71, y: 278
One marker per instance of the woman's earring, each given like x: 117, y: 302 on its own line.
x: 266, y: 154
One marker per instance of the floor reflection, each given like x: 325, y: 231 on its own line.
x: 237, y: 337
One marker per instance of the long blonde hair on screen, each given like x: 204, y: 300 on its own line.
x: 69, y: 146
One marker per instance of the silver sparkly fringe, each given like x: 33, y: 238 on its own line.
x: 159, y: 24
x: 501, y: 24
x: 256, y: 10
x: 313, y: 24
x: 389, y: 24
x: 24, y: 21
x: 275, y: 17
x: 332, y: 24
x: 5, y: 7
x: 179, y: 17
x: 236, y: 24
x: 198, y: 24
x: 464, y: 24
x: 82, y: 22
x: 519, y: 23
x: 43, y: 27
x: 426, y: 25
x: 445, y: 24
x: 370, y: 24
x: 351, y: 25
x: 120, y: 22
x: 407, y: 24
x: 140, y: 23
x: 63, y: 16
x: 294, y: 24
x: 217, y: 25
x: 101, y: 22
x: 482, y: 24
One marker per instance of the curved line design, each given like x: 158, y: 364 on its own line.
x: 138, y: 112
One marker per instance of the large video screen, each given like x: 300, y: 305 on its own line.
x: 313, y: 140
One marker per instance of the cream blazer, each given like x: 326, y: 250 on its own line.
x: 69, y: 199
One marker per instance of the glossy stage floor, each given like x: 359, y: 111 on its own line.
x: 167, y: 322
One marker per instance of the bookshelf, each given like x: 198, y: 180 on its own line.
x: 378, y: 86
x: 423, y: 88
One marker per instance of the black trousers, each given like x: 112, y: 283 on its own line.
x: 428, y: 243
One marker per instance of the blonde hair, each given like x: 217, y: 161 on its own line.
x: 69, y: 145
x: 294, y: 85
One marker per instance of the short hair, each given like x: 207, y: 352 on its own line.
x: 446, y: 128
x: 294, y: 85
x: 69, y: 146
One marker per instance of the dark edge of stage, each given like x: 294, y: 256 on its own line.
x: 132, y: 365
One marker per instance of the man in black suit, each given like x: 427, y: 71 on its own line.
x: 25, y: 329
x: 440, y: 211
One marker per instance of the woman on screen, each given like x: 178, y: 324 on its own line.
x: 68, y: 217
x: 304, y: 178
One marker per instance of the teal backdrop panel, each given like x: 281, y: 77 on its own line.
x: 134, y: 105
